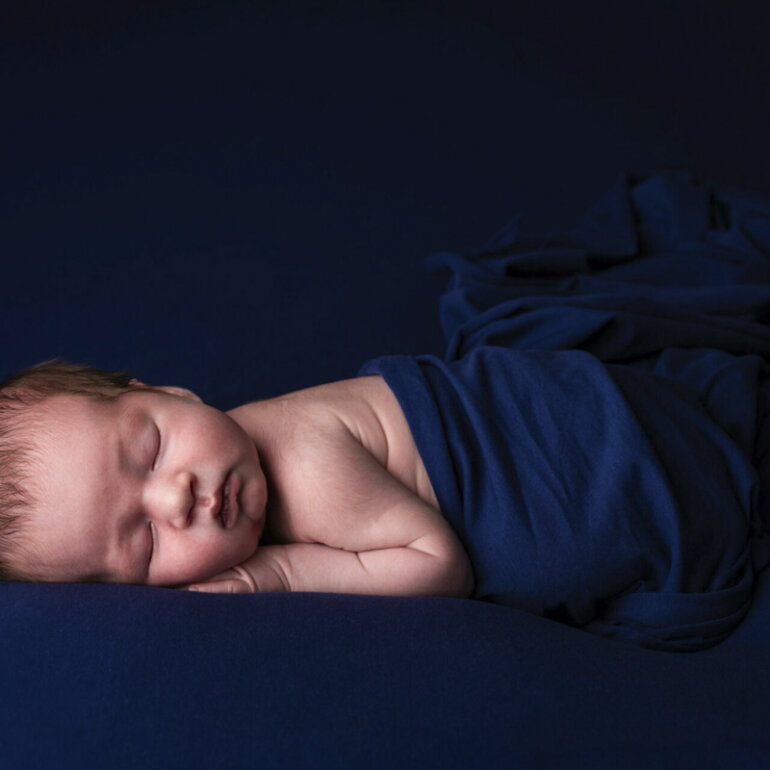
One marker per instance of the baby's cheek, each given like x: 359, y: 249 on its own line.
x: 248, y: 542
x: 198, y: 556
x: 191, y: 561
x: 224, y: 555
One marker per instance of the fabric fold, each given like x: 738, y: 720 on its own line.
x: 593, y: 430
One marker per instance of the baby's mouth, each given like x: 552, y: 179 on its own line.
x: 221, y: 513
x: 227, y: 510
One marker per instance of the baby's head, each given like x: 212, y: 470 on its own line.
x: 105, y: 479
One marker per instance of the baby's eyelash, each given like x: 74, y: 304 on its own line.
x: 152, y: 542
x: 157, y: 448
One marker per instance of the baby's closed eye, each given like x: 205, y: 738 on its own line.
x: 152, y: 543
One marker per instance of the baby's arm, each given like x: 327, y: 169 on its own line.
x: 405, y: 571
x: 372, y: 535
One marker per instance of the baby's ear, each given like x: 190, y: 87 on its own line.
x: 181, y: 392
x: 174, y: 390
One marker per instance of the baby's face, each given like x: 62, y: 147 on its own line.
x: 151, y: 487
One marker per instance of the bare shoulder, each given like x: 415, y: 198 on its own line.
x: 315, y: 426
x: 365, y: 406
x: 368, y: 409
x: 358, y: 403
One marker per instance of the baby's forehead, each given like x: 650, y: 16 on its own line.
x: 74, y: 409
x: 67, y: 453
x: 66, y: 419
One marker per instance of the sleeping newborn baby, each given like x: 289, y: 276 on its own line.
x: 319, y: 490
x: 593, y: 447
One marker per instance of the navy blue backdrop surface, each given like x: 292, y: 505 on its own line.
x: 149, y: 149
x: 238, y: 197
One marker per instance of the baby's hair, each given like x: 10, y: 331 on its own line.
x: 20, y: 396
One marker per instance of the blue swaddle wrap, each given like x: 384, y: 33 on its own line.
x: 592, y: 434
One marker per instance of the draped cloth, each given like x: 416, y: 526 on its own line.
x: 596, y: 430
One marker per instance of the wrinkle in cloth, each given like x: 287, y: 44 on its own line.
x: 596, y: 431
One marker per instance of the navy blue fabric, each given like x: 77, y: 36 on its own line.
x: 591, y: 433
x: 125, y: 676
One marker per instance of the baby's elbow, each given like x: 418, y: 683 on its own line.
x: 457, y: 572
x: 467, y: 580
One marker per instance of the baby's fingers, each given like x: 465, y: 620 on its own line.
x: 237, y: 580
x: 228, y: 586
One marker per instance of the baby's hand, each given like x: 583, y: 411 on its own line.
x: 237, y: 580
x: 262, y: 572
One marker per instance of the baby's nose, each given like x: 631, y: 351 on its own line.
x: 174, y: 500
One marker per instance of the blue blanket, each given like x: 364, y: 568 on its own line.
x: 594, y: 432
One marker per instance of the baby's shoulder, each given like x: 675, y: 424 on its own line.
x: 317, y: 445
x: 363, y: 407
x: 366, y: 409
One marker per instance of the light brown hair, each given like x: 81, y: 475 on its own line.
x: 21, y: 396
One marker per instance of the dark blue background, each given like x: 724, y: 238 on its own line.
x: 238, y: 196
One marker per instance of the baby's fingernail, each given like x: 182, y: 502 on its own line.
x: 193, y: 588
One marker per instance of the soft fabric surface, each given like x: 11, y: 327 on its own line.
x: 124, y: 676
x: 591, y: 433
